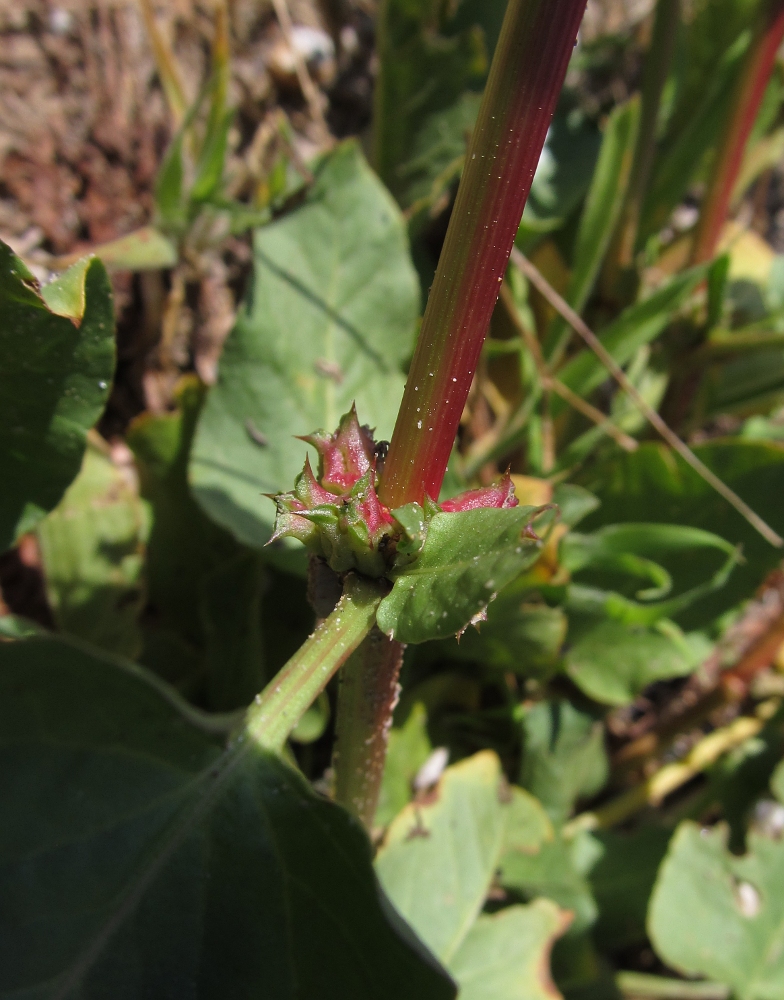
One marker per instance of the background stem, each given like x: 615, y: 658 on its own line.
x: 749, y: 91
x: 525, y: 81
x: 368, y: 695
x: 287, y: 697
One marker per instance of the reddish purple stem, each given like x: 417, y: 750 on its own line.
x: 522, y: 91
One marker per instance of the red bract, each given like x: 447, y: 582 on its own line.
x: 500, y: 495
x: 525, y: 80
x: 346, y: 455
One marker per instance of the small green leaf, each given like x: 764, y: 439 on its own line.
x: 564, y: 758
x: 506, y: 956
x: 329, y: 320
x: 92, y: 549
x: 145, y: 249
x: 439, y: 855
x: 57, y: 363
x: 139, y: 858
x: 721, y: 916
x: 467, y: 558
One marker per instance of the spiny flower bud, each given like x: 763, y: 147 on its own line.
x: 338, y: 515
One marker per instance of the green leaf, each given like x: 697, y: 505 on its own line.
x: 563, y: 175
x: 57, y: 362
x: 602, y: 208
x: 92, y: 549
x: 138, y: 858
x: 428, y: 59
x: 521, y: 634
x: 717, y: 915
x: 563, y: 756
x: 202, y: 629
x: 613, y: 662
x: 506, y: 956
x: 329, y: 321
x: 467, y: 558
x: 408, y: 749
x: 653, y: 484
x: 558, y: 871
x: 699, y: 121
x: 145, y: 249
x: 777, y: 782
x: 622, y: 880
x: 636, y: 326
x: 439, y: 855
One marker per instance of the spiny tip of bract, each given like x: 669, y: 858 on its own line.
x: 500, y: 495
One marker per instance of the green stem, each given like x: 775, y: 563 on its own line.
x: 367, y: 697
x: 644, y: 985
x: 287, y: 697
x: 749, y: 91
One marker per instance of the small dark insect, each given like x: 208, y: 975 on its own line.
x: 380, y: 451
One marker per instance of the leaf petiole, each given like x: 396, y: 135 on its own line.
x: 280, y: 706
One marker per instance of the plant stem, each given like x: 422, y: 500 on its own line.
x: 749, y: 91
x: 367, y: 697
x: 673, y: 776
x: 644, y: 985
x: 657, y: 67
x: 525, y: 80
x: 284, y: 701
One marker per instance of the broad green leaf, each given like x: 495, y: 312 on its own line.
x: 439, y: 855
x: 558, y: 871
x: 721, y: 916
x: 564, y: 758
x: 202, y: 629
x: 612, y: 662
x: 466, y: 559
x: 506, y: 956
x: 637, y: 325
x: 653, y: 484
x: 408, y: 749
x: 622, y: 880
x: 329, y: 321
x: 139, y: 858
x: 92, y: 549
x: 602, y: 208
x: 521, y: 634
x: 57, y: 363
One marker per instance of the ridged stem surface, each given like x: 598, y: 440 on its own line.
x: 525, y: 81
